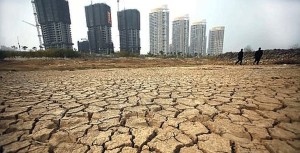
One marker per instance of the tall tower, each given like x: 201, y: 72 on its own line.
x: 216, y: 41
x: 198, y: 38
x: 129, y: 30
x: 180, y: 36
x: 54, y: 18
x: 99, y: 23
x: 159, y: 30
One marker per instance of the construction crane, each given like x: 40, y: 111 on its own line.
x: 29, y: 23
x: 39, y: 34
x: 118, y: 5
x: 118, y: 1
x: 37, y: 25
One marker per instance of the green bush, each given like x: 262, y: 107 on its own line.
x: 2, y: 55
x: 53, y: 53
x: 125, y: 54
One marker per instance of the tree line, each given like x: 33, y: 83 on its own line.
x: 52, y: 53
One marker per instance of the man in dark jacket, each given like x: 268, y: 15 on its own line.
x: 257, y: 56
x: 240, y: 57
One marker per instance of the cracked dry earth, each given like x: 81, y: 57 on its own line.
x: 193, y: 109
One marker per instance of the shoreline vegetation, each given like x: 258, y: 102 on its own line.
x: 60, y: 59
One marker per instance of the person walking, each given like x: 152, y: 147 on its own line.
x: 257, y: 56
x: 240, y: 57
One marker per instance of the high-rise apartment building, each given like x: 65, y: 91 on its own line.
x: 216, y: 41
x: 159, y: 30
x: 54, y: 18
x: 129, y: 30
x: 198, y: 38
x: 83, y: 46
x: 99, y: 23
x: 180, y: 36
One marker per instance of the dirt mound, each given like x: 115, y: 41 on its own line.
x: 25, y: 64
x: 276, y: 56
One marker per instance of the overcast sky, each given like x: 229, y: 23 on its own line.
x: 260, y: 23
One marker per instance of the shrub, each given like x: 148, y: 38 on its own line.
x: 53, y: 53
x: 2, y: 55
x: 125, y: 54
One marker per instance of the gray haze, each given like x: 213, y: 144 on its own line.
x: 260, y: 23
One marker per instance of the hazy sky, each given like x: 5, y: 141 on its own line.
x: 260, y: 23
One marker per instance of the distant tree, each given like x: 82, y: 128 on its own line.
x: 295, y: 46
x: 123, y: 54
x: 24, y: 47
x: 161, y: 52
x: 2, y: 55
x: 149, y: 54
x: 14, y: 47
x: 34, y: 48
x: 248, y: 48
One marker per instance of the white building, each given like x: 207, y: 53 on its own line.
x: 180, y: 36
x: 159, y: 30
x: 198, y: 38
x: 216, y: 41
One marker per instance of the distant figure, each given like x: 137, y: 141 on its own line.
x: 240, y: 57
x: 257, y: 56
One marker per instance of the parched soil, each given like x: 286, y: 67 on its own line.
x: 33, y: 64
x: 202, y: 108
x: 97, y: 63
x: 270, y: 57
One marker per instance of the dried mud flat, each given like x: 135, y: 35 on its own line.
x: 173, y: 109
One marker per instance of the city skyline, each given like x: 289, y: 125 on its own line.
x: 258, y: 23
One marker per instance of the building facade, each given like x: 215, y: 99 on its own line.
x: 180, y: 36
x: 159, y: 31
x: 54, y: 18
x: 129, y: 30
x: 216, y: 41
x: 198, y: 38
x: 83, y: 46
x: 99, y: 23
